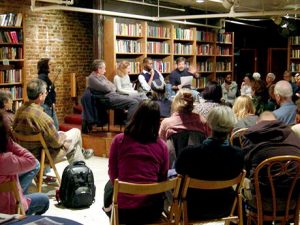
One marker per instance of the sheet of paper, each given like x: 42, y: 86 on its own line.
x: 186, y: 80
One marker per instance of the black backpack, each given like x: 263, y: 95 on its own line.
x: 77, y: 188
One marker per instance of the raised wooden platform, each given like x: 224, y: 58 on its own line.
x: 100, y: 140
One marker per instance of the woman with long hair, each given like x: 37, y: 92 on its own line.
x: 138, y: 155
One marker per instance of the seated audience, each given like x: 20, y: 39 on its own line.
x: 151, y: 81
x: 215, y: 159
x: 6, y: 109
x: 183, y: 121
x: 211, y: 97
x: 246, y: 87
x: 15, y: 160
x: 31, y: 119
x: 182, y: 71
x: 272, y: 104
x: 123, y: 84
x: 229, y: 90
x: 99, y: 84
x: 138, y: 155
x: 287, y: 110
x: 182, y: 118
x: 244, y: 111
x: 260, y: 97
x: 270, y: 79
x: 268, y: 138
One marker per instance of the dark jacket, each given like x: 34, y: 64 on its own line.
x: 212, y: 160
x: 267, y: 139
x: 51, y: 97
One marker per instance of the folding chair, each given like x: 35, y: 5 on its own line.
x: 44, y: 153
x: 172, y: 216
x: 277, y: 194
x: 11, y: 186
x: 214, y: 185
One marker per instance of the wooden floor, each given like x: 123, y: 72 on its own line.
x: 100, y: 139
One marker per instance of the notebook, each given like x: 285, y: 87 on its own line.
x: 187, y: 80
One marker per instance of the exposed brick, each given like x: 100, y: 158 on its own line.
x: 65, y: 37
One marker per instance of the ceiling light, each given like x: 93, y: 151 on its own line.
x: 219, y: 1
x: 199, y: 1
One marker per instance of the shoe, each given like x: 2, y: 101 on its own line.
x: 49, y: 179
x: 87, y: 153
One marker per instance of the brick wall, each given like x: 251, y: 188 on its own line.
x: 65, y: 37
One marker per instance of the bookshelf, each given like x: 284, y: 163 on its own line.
x: 12, y: 74
x: 209, y: 52
x: 294, y: 54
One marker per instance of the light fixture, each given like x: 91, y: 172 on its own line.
x: 199, y: 1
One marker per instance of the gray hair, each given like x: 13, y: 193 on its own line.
x: 221, y: 119
x: 271, y: 75
x: 35, y: 87
x: 4, y: 97
x: 97, y: 63
x: 283, y: 89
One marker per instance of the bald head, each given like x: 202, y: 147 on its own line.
x: 266, y: 116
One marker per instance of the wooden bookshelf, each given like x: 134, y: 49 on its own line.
x: 209, y: 52
x: 294, y: 54
x: 12, y: 74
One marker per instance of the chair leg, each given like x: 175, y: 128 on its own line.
x: 53, y: 166
x: 42, y: 167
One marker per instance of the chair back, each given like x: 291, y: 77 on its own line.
x: 11, y: 186
x: 173, y: 185
x: 178, y: 141
x: 237, y: 137
x: 277, y: 189
x: 44, y: 153
x: 214, y: 185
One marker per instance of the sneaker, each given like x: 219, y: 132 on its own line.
x: 49, y: 179
x: 87, y: 153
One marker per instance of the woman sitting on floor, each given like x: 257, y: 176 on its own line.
x: 15, y: 160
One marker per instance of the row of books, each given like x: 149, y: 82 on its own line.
x: 184, y: 34
x: 183, y: 49
x: 295, y: 53
x: 129, y: 29
x: 205, y: 36
x: 159, y: 32
x: 206, y: 66
x: 223, y: 50
x: 202, y: 82
x: 158, y: 47
x: 10, y: 76
x: 205, y: 49
x: 161, y: 66
x: 11, y: 53
x: 295, y: 40
x: 13, y: 37
x: 11, y: 19
x: 16, y: 92
x: 224, y: 38
x: 223, y: 66
x: 128, y: 46
x: 295, y: 67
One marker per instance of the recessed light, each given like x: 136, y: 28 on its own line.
x: 199, y: 1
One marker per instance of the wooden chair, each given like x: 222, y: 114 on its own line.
x: 214, y: 185
x: 274, y: 200
x: 240, y: 135
x: 12, y: 187
x: 171, y: 217
x: 44, y: 153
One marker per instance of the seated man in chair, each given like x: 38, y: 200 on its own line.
x: 31, y: 119
x: 99, y: 84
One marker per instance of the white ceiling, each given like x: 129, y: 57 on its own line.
x: 240, y: 5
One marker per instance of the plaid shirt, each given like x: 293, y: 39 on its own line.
x: 31, y: 119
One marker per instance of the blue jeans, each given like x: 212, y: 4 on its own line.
x: 39, y: 204
x: 26, y: 178
x: 51, y: 112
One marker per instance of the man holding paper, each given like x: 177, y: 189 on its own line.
x: 182, y: 77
